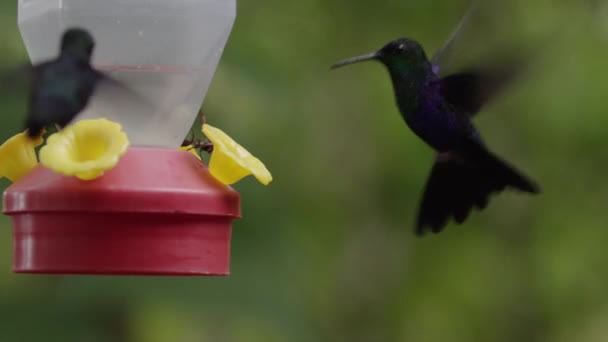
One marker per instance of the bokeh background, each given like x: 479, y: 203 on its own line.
x: 326, y: 252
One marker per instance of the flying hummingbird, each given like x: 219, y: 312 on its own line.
x: 439, y: 110
x: 62, y: 87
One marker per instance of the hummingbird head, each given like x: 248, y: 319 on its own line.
x: 402, y: 52
x: 77, y: 42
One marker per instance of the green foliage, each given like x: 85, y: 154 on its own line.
x: 326, y: 252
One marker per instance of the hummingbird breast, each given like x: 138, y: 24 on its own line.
x: 435, y: 121
x: 67, y: 81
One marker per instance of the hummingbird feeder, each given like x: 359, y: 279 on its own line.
x: 159, y: 211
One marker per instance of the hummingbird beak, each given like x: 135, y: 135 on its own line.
x: 357, y: 59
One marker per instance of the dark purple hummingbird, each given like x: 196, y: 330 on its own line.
x: 439, y: 110
x: 61, y: 88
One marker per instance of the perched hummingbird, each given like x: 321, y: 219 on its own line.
x: 62, y: 87
x: 439, y: 111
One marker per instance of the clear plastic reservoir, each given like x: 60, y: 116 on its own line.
x: 166, y: 51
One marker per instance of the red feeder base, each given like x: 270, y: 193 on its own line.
x: 158, y: 212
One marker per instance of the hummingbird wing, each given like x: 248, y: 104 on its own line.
x: 108, y: 84
x: 22, y: 77
x: 115, y: 95
x: 484, y: 54
x: 440, y: 55
x: 469, y: 90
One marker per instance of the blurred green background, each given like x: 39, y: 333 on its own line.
x: 327, y: 252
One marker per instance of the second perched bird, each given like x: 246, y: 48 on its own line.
x: 438, y: 110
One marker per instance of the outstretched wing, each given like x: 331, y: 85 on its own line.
x: 442, y: 54
x: 483, y: 55
x: 468, y: 91
x: 115, y: 96
x: 108, y: 85
x: 20, y: 78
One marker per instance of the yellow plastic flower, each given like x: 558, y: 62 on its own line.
x: 191, y: 149
x: 230, y: 161
x: 18, y: 156
x: 85, y: 149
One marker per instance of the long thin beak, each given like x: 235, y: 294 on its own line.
x: 357, y: 59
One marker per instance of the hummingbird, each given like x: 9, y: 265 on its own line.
x: 61, y: 88
x: 439, y: 110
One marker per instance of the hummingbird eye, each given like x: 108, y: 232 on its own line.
x: 401, y: 47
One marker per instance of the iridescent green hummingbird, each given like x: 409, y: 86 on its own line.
x: 439, y: 110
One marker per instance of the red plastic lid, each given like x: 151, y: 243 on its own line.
x: 145, y: 180
x: 158, y: 212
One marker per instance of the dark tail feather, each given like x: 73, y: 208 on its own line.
x: 457, y: 185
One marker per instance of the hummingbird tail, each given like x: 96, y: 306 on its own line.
x: 458, y: 184
x: 507, y: 175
